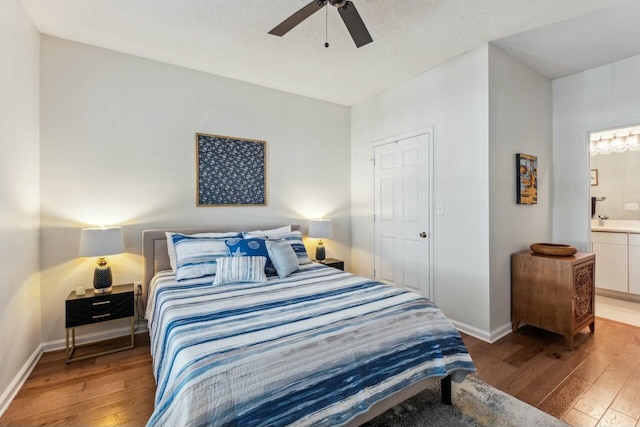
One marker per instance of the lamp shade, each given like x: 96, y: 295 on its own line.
x: 101, y: 242
x: 320, y: 228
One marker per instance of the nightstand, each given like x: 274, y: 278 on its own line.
x: 90, y: 308
x: 335, y: 263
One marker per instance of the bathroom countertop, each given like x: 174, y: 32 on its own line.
x: 616, y: 226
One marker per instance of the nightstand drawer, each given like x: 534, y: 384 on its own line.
x: 98, y: 308
x: 335, y: 263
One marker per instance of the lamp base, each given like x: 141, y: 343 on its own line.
x: 102, y: 279
x: 320, y: 252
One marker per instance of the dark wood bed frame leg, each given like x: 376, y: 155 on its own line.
x: 445, y: 387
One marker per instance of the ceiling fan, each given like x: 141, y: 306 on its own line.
x: 347, y: 11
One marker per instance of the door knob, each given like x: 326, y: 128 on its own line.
x: 423, y: 234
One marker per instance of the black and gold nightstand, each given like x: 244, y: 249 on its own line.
x: 83, y: 310
x: 335, y: 263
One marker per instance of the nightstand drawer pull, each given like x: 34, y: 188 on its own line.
x: 102, y: 302
x: 100, y: 316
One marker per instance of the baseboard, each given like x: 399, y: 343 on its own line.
x: 15, y: 386
x: 471, y: 330
x: 500, y: 332
x: 489, y: 337
x: 95, y: 336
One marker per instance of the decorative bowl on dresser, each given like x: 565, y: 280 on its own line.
x: 90, y: 308
x: 555, y: 293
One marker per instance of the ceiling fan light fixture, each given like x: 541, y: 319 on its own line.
x: 347, y: 11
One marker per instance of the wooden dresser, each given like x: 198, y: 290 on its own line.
x: 555, y: 293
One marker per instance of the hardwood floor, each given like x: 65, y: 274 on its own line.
x: 597, y: 382
x: 112, y: 390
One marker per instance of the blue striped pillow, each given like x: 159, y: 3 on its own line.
x: 172, y: 251
x: 196, y: 256
x: 240, y: 269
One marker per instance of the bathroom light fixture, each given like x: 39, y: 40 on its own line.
x: 603, y: 143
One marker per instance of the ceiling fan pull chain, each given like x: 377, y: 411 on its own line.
x: 326, y: 27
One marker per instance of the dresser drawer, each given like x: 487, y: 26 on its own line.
x: 84, y: 311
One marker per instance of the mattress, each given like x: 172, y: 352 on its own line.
x: 316, y: 348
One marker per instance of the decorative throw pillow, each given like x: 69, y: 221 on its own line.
x: 172, y: 251
x: 240, y: 269
x: 196, y: 256
x: 283, y: 257
x: 295, y: 240
x: 251, y: 247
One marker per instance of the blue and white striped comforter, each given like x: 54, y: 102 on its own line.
x: 316, y: 348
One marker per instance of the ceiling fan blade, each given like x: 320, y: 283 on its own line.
x: 355, y: 25
x: 289, y: 23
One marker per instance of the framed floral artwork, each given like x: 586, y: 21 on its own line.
x: 230, y: 171
x: 527, y: 179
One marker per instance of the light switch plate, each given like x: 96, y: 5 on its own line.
x: 630, y: 206
x: 439, y: 208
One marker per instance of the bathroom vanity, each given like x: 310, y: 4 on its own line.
x: 616, y: 244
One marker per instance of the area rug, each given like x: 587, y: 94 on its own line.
x: 475, y: 403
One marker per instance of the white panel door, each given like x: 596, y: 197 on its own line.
x: 402, y: 213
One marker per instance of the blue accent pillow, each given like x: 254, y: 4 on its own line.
x: 251, y: 247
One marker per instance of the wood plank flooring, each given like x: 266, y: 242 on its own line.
x: 596, y: 384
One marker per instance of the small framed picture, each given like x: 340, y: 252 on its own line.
x: 526, y: 179
x: 594, y: 177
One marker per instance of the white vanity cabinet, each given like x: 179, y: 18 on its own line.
x: 612, y: 260
x: 634, y: 263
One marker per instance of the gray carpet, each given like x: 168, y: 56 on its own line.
x: 475, y: 403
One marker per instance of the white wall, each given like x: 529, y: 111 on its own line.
x: 19, y: 197
x: 520, y: 114
x: 118, y: 147
x: 602, y: 98
x: 453, y: 99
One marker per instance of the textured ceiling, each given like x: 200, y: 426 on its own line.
x: 580, y: 43
x: 229, y: 38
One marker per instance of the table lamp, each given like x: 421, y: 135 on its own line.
x: 101, y: 242
x: 321, y: 229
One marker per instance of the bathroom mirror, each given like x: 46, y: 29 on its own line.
x: 615, y: 173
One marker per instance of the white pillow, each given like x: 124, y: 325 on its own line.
x: 240, y: 269
x: 295, y: 240
x: 280, y: 230
x: 283, y: 257
x: 172, y: 250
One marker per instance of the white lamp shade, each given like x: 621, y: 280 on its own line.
x: 101, y: 241
x: 320, y: 229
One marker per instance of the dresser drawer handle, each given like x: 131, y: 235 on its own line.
x: 102, y: 302
x: 101, y: 315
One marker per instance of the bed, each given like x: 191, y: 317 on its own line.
x: 318, y: 347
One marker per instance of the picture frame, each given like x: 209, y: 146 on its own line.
x: 230, y: 171
x: 526, y: 179
x: 594, y: 177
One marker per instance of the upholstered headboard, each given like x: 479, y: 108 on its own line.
x: 154, y: 246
